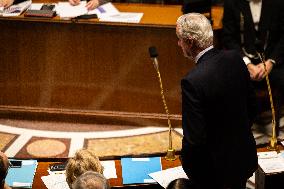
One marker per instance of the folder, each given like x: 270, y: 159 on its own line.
x: 22, y: 176
x: 136, y: 170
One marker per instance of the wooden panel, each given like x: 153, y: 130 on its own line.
x: 90, y: 65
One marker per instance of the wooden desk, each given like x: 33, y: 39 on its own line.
x: 117, y: 182
x: 88, y: 69
x: 268, y: 180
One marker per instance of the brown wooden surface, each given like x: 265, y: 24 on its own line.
x: 86, y: 65
x: 114, y: 182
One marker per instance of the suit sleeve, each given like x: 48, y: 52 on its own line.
x: 231, y: 30
x: 193, y: 122
x: 278, y: 52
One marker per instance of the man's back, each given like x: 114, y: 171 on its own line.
x: 217, y: 118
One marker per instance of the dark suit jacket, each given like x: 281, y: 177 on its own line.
x: 218, y: 106
x: 271, y: 27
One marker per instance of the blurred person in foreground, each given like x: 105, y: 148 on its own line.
x: 91, y: 180
x: 4, y: 167
x: 218, y: 108
x: 83, y: 161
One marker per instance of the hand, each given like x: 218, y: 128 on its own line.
x: 257, y: 72
x: 74, y: 2
x: 92, y: 4
x: 6, y: 3
x: 269, y: 65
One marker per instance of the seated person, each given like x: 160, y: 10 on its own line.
x: 83, y: 161
x: 91, y: 180
x: 4, y: 167
x: 92, y: 4
x: 7, y: 3
x: 180, y: 183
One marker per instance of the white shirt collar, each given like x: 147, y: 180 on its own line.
x: 202, y: 53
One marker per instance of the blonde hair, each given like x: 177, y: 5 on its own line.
x: 197, y: 27
x: 83, y: 161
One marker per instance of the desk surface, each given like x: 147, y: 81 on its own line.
x: 114, y: 182
x: 154, y: 15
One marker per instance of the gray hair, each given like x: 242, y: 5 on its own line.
x: 91, y: 180
x: 197, y: 27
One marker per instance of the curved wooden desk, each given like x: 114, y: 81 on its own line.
x: 89, y: 68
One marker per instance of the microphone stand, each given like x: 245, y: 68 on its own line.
x: 273, y: 140
x: 170, y: 156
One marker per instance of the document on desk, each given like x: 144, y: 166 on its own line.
x: 271, y: 163
x: 16, y: 9
x: 136, y: 170
x: 164, y: 177
x: 66, y: 10
x: 124, y: 17
x: 22, y: 176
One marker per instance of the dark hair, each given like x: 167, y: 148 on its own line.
x: 3, y: 171
x: 180, y: 183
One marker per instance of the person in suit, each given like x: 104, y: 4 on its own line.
x: 91, y: 180
x: 91, y: 4
x: 218, y: 108
x: 4, y: 167
x: 83, y: 161
x: 248, y: 24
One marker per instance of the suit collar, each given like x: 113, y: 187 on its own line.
x: 207, y: 55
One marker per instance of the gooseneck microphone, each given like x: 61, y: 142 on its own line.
x: 154, y: 54
x: 260, y: 52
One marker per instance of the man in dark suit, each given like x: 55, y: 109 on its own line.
x: 218, y: 107
x: 248, y: 21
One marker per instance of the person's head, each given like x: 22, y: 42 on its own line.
x: 180, y: 183
x: 91, y: 180
x: 83, y: 161
x: 4, y: 166
x: 195, y: 34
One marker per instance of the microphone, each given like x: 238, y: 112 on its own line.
x: 154, y: 54
x: 260, y: 52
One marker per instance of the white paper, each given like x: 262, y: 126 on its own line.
x: 16, y: 10
x: 124, y: 17
x: 270, y: 154
x: 105, y: 10
x: 164, y: 177
x: 272, y: 165
x: 109, y: 169
x: 140, y: 159
x: 55, y: 181
x: 36, y: 6
x: 22, y: 184
x: 66, y: 10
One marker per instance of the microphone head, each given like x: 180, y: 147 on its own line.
x: 259, y: 47
x: 153, y: 52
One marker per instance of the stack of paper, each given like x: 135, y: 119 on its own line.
x: 17, y: 9
x: 23, y: 176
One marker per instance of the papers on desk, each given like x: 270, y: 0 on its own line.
x: 271, y: 162
x: 106, y: 12
x: 136, y: 170
x: 58, y: 181
x: 164, y: 177
x: 23, y: 176
x: 17, y: 9
x: 66, y: 10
